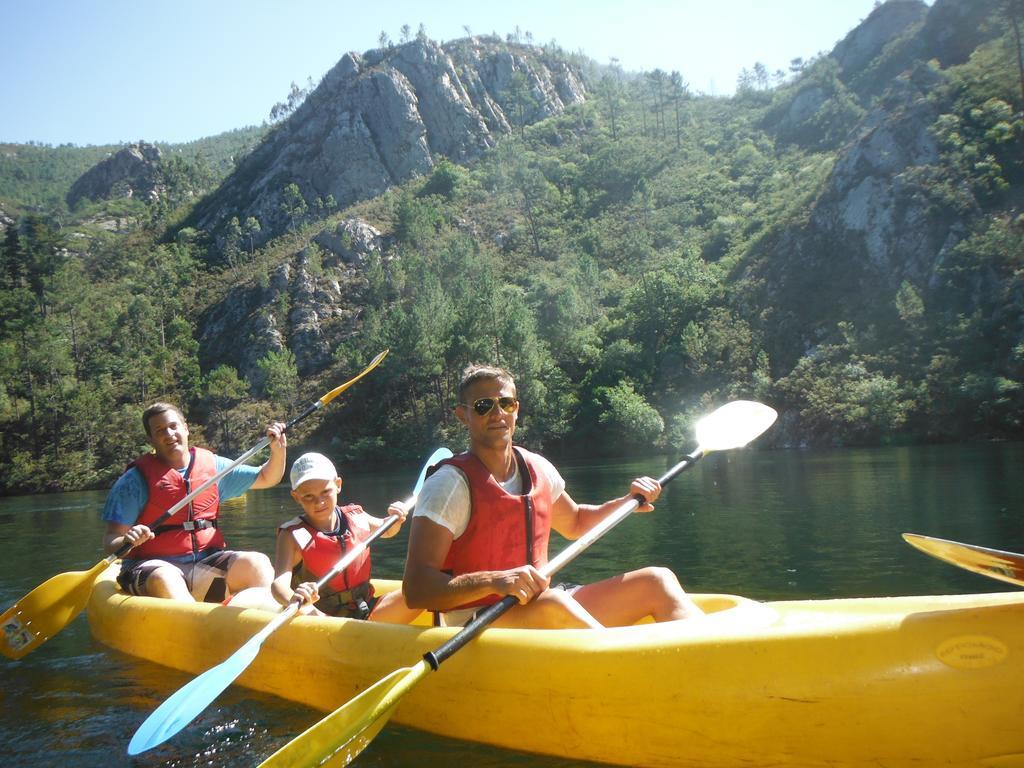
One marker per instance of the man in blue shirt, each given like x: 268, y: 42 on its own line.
x: 186, y: 558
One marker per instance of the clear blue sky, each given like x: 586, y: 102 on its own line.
x: 107, y: 71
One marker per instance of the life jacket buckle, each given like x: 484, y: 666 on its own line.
x: 198, y: 525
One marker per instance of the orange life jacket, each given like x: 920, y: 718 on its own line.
x: 191, y: 530
x: 321, y: 551
x: 505, y: 530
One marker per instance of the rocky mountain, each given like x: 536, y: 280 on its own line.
x: 380, y: 118
x: 876, y: 223
x: 386, y: 116
x: 134, y: 171
x: 376, y: 120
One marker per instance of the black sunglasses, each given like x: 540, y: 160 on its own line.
x: 485, y: 405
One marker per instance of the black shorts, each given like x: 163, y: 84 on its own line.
x: 206, y: 579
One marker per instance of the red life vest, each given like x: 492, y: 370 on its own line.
x: 504, y: 531
x: 166, y: 487
x: 322, y: 551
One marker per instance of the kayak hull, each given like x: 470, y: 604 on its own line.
x: 894, y: 682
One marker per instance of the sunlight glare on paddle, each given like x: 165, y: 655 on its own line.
x: 734, y: 425
x: 994, y: 563
x: 355, y: 746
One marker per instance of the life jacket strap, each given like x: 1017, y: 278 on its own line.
x: 354, y: 600
x: 188, y: 525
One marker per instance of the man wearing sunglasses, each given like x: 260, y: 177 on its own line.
x: 481, y: 527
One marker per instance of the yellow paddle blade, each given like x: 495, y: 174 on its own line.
x: 46, y: 610
x: 341, y: 736
x: 994, y: 563
x: 341, y: 388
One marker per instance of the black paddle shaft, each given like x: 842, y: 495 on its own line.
x: 492, y: 612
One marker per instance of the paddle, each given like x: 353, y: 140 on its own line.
x: 191, y: 699
x: 51, y: 606
x: 353, y: 726
x: 994, y: 563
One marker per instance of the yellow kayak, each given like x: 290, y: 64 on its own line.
x: 894, y: 682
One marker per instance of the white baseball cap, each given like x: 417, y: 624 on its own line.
x: 312, y: 466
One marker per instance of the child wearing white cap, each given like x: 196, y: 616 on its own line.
x: 309, y: 545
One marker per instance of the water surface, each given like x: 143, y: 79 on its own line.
x: 767, y: 525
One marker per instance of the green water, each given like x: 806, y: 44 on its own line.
x: 768, y: 525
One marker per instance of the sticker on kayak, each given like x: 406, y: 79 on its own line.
x: 972, y: 652
x: 15, y: 635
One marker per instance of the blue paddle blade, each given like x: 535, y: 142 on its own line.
x: 185, y: 705
x: 439, y: 455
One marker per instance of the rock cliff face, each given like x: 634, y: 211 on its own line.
x: 856, y: 52
x: 869, y: 198
x: 132, y: 172
x: 380, y: 118
x: 867, y: 60
x: 309, y: 305
x: 873, y: 225
x: 5, y: 222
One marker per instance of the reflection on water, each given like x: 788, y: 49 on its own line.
x: 768, y: 525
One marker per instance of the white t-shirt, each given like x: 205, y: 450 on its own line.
x: 444, y: 498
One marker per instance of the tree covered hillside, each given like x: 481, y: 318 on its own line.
x: 37, y: 177
x: 641, y: 257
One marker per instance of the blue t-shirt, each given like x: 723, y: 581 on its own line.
x: 129, y: 495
